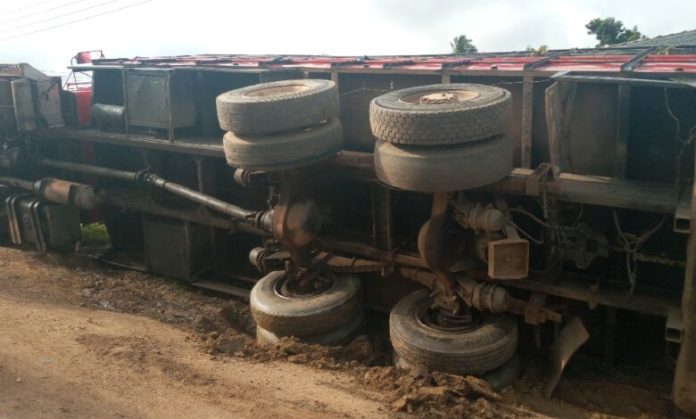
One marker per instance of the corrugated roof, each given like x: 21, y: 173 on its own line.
x: 600, y: 60
x: 671, y: 40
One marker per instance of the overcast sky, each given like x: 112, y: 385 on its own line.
x: 353, y: 27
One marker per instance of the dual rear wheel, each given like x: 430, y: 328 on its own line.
x: 334, y: 315
x: 280, y: 125
x: 429, y: 139
x: 331, y: 315
x: 445, y: 138
x: 442, y: 138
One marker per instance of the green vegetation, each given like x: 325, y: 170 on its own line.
x: 542, y: 50
x: 95, y: 234
x: 462, y: 45
x: 610, y: 31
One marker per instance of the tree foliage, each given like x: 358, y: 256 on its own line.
x: 462, y: 45
x: 610, y: 31
x: 533, y: 52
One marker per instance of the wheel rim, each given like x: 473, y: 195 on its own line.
x: 267, y: 91
x: 440, y: 97
x: 286, y: 289
x: 437, y: 320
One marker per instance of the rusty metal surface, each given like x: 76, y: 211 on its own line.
x: 294, y: 224
x: 342, y: 264
x: 477, y: 216
x: 67, y: 193
x: 508, y: 258
x: 432, y: 247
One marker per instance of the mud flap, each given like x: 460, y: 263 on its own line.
x: 572, y: 337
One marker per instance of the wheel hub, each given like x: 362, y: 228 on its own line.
x: 441, y: 97
x: 440, y: 320
x: 267, y: 91
x: 304, y: 284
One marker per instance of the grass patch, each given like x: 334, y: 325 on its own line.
x: 95, y: 234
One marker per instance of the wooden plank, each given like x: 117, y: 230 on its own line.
x: 622, y: 127
x: 576, y: 287
x: 597, y: 190
x: 382, y: 217
x: 553, y: 124
x: 568, y: 91
x: 527, y: 119
x: 584, y: 189
x: 560, y: 99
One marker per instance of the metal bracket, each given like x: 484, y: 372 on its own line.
x: 533, y: 182
x: 674, y: 329
x: 432, y: 248
x: 682, y: 219
x: 508, y: 258
x: 35, y: 207
x: 10, y: 206
x: 636, y: 59
x: 569, y: 340
x: 533, y: 312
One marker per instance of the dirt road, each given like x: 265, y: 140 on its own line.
x: 76, y: 362
x: 78, y: 340
x: 62, y: 360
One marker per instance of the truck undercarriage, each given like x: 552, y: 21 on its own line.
x: 594, y: 218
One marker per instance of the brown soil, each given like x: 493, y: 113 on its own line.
x: 78, y: 339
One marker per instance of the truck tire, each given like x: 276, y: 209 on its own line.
x: 440, y: 114
x: 270, y: 108
x: 443, y: 169
x: 286, y: 150
x: 341, y: 336
x: 305, y: 315
x: 480, y: 349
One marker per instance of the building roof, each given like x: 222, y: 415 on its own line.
x: 672, y: 40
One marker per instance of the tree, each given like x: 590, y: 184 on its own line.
x: 610, y: 31
x: 533, y: 52
x: 462, y: 45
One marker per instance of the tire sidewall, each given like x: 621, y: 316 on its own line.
x: 339, y: 336
x: 488, y: 95
x: 284, y: 151
x: 493, y: 342
x: 264, y: 115
x: 443, y: 168
x: 238, y: 96
x: 305, y: 316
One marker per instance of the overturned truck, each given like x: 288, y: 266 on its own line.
x: 487, y: 202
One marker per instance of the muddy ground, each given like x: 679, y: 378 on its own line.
x: 79, y: 339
